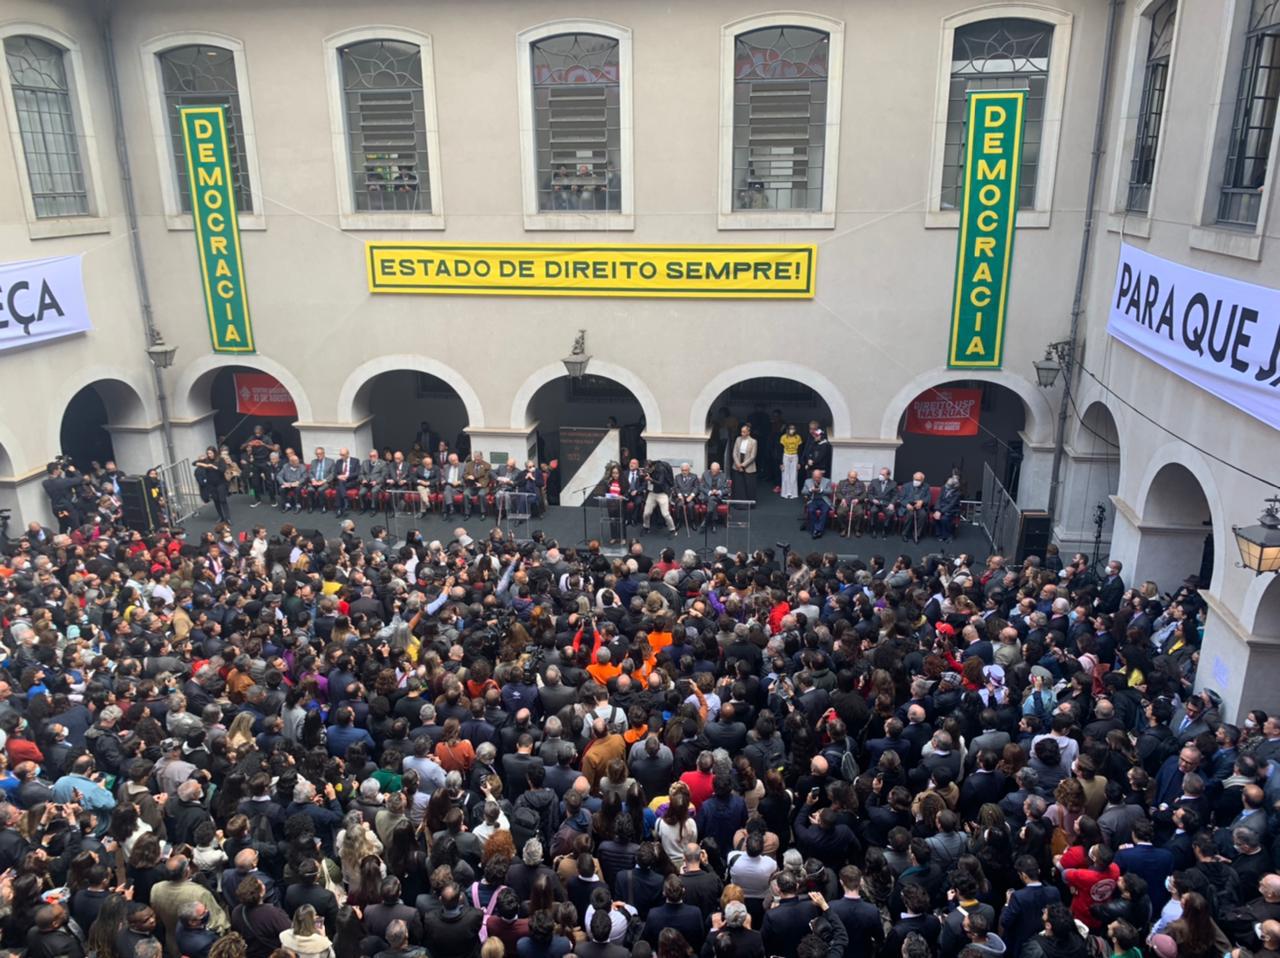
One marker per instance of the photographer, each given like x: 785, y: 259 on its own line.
x: 660, y: 482
x: 59, y: 485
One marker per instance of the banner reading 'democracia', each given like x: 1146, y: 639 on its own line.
x: 1221, y: 334
x: 40, y: 300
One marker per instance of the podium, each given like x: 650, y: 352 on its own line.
x: 611, y: 518
x: 515, y: 509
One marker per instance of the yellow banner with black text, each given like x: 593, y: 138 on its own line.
x: 696, y: 272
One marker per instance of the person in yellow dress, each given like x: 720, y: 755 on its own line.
x: 791, y: 441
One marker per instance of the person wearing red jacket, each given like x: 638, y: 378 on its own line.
x: 1091, y: 877
x: 21, y: 749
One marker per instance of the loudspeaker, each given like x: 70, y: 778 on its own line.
x: 1034, y: 532
x: 139, y: 500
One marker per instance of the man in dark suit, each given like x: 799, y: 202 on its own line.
x: 788, y: 920
x: 1111, y: 589
x: 861, y: 919
x: 1153, y: 864
x: 916, y: 918
x: 378, y: 917
x: 893, y: 740
x: 346, y: 475
x: 985, y: 784
x: 515, y: 767
x: 917, y: 732
x: 320, y: 472
x: 1023, y: 915
x: 673, y: 913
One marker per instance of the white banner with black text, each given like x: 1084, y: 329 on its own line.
x: 1221, y: 334
x: 40, y: 300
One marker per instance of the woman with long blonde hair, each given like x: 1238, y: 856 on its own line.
x: 240, y: 733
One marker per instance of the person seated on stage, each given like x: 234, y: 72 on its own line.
x: 947, y: 510
x: 290, y: 479
x: 714, y: 491
x: 851, y: 495
x: 346, y: 473
x: 451, y: 482
x: 913, y: 507
x: 637, y: 488
x: 372, y: 479
x: 427, y: 479
x: 401, y: 480
x: 475, y: 478
x: 685, y: 492
x: 882, y: 499
x: 817, y: 495
x: 319, y: 478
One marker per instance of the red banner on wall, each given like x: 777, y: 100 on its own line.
x: 258, y: 394
x: 945, y: 412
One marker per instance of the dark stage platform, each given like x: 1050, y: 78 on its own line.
x: 773, y: 520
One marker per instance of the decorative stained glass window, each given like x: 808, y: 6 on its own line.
x: 386, y: 126
x: 577, y: 122
x: 1255, y: 118
x: 47, y: 126
x: 1001, y: 54
x: 779, y: 118
x: 203, y: 75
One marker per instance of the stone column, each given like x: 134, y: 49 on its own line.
x: 356, y: 437
x: 1240, y: 666
x: 1036, y: 473
x: 497, y: 444
x: 677, y: 448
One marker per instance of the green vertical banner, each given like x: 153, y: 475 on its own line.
x: 993, y: 152
x: 213, y: 208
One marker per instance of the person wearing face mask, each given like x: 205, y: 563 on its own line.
x: 1111, y: 589
x: 790, y: 442
x: 947, y: 510
x: 881, y: 493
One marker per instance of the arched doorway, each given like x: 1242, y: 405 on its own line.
x: 1177, y: 530
x: 570, y: 412
x: 85, y: 436
x: 242, y: 397
x: 409, y: 406
x: 1087, y: 509
x: 961, y: 426
x: 591, y: 401
x: 768, y: 404
x: 9, y: 519
x: 1266, y: 620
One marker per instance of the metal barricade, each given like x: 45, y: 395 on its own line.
x: 180, y: 490
x: 1000, y: 516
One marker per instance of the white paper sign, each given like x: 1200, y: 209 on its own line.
x: 41, y: 300
x: 1219, y: 333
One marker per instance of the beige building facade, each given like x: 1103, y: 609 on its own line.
x: 833, y: 124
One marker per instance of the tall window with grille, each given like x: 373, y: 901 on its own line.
x: 1002, y: 54
x: 204, y: 75
x: 779, y: 118
x: 386, y: 126
x: 1254, y: 121
x: 1151, y: 108
x: 577, y: 122
x: 47, y: 127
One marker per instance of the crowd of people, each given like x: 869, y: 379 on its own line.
x: 264, y: 745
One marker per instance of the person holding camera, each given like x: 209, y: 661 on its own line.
x: 59, y: 485
x: 660, y: 481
